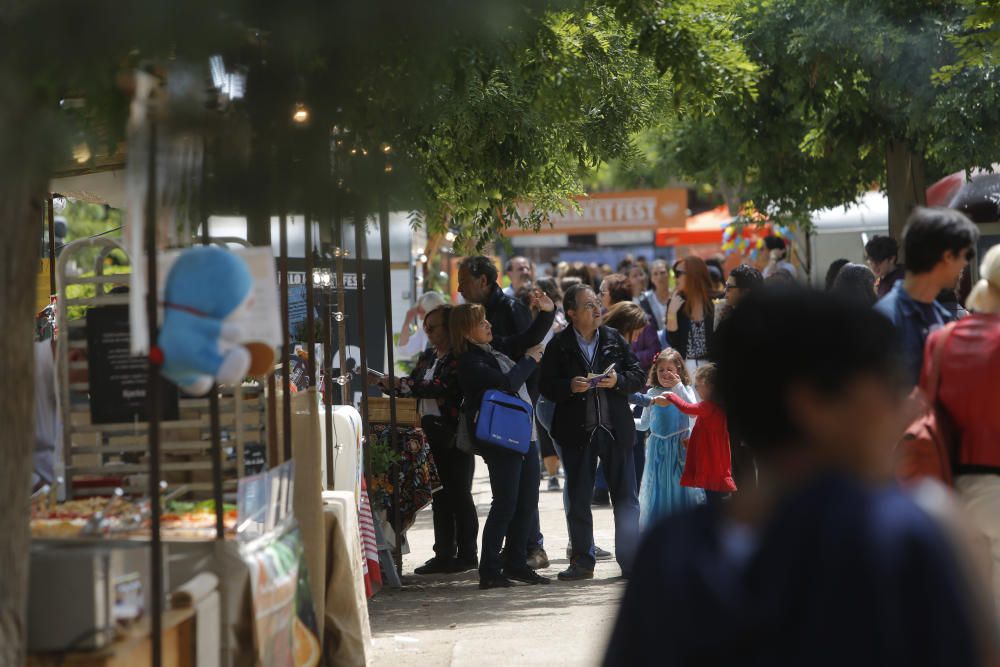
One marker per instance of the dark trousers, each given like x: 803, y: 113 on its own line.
x: 639, y: 456
x: 580, y: 463
x: 456, y: 524
x: 514, y: 483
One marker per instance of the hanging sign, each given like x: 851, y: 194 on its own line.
x: 117, y: 380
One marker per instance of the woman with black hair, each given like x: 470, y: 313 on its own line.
x: 856, y: 282
x: 832, y: 271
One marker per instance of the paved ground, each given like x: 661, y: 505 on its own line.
x: 447, y: 620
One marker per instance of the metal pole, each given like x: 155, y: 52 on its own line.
x: 328, y: 385
x: 52, y: 246
x: 215, y: 428
x: 345, y: 389
x: 286, y: 404
x: 359, y: 244
x: 339, y: 253
x: 153, y: 396
x: 310, y: 318
x: 383, y: 224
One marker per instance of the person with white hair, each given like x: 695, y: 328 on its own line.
x: 412, y: 339
x: 968, y: 392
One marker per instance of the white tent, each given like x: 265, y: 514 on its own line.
x: 843, y: 231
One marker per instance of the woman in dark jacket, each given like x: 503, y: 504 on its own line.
x: 434, y: 381
x: 513, y: 477
x: 690, y: 313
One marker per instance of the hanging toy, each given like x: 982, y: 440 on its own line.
x: 198, y: 343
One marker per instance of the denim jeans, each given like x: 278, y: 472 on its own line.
x: 580, y: 463
x: 514, y: 483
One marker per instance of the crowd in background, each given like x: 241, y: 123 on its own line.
x: 747, y: 418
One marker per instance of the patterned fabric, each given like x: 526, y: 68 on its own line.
x: 369, y: 547
x: 697, y: 344
x: 443, y: 387
x: 418, y: 476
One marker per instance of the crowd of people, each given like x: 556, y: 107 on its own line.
x: 744, y: 429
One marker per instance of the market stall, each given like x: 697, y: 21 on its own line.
x: 209, y: 496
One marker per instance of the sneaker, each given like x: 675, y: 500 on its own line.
x: 528, y: 576
x: 601, y: 498
x: 498, y: 581
x: 435, y: 566
x: 554, y: 484
x: 599, y: 553
x: 464, y: 565
x: 538, y: 559
x: 575, y: 573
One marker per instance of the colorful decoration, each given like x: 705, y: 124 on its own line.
x: 748, y: 240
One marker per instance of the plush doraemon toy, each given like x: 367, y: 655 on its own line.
x: 199, y: 347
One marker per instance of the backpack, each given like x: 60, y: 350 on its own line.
x: 928, y: 447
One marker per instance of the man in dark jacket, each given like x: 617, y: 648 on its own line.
x: 477, y: 282
x: 594, y: 420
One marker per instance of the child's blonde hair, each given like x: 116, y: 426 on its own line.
x: 668, y: 354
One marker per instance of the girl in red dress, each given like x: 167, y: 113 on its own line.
x: 709, y: 463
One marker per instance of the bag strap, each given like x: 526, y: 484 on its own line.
x: 934, y: 375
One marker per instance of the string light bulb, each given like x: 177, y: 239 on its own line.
x: 450, y: 237
x: 388, y: 168
x: 81, y: 153
x: 386, y: 148
x: 301, y: 114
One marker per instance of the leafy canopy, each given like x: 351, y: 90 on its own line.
x: 484, y: 105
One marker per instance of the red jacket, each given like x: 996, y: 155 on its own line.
x: 709, y: 462
x: 970, y: 388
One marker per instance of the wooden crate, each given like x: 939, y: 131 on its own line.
x: 406, y: 411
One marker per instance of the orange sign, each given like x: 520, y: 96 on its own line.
x: 636, y: 210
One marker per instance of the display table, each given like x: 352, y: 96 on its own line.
x: 135, y: 647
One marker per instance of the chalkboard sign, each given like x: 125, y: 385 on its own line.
x: 118, y: 379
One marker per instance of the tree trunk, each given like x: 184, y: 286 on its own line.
x: 27, y: 140
x: 906, y: 185
x: 21, y: 217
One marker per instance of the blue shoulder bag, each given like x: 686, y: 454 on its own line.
x: 504, y: 421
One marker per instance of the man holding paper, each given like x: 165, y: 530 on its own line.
x: 588, y: 372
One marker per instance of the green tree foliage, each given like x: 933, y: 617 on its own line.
x: 848, y: 97
x: 484, y: 104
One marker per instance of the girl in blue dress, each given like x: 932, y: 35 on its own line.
x: 661, y: 492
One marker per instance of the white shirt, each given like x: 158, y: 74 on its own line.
x: 417, y: 344
x: 428, y: 407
